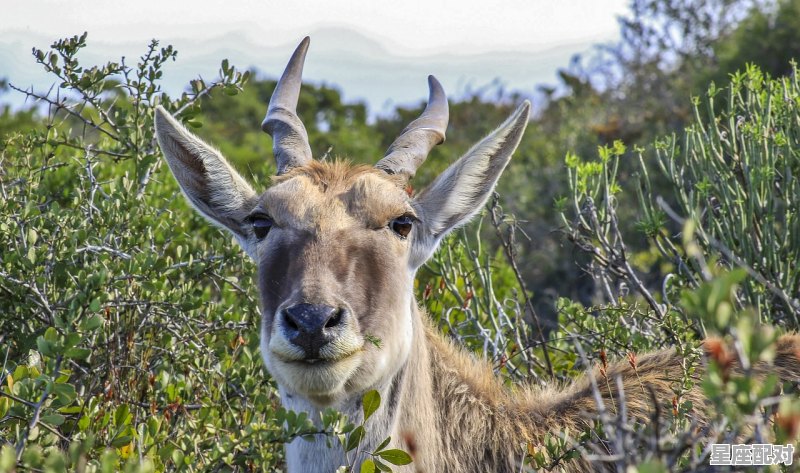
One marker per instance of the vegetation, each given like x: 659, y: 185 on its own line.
x: 128, y: 334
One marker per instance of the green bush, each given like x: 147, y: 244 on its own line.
x: 736, y: 196
x: 127, y: 339
x: 730, y: 265
x: 736, y: 178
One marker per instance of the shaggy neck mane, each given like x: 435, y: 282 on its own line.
x: 472, y: 422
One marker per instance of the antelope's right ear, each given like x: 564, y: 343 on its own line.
x: 212, y: 186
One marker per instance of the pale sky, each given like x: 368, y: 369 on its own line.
x: 467, y: 42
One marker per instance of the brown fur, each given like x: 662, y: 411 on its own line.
x: 483, y: 426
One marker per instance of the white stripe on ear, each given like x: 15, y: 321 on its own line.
x: 207, y: 180
x: 463, y: 188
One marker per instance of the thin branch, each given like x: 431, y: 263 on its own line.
x: 509, y: 252
x: 103, y: 249
x: 62, y: 105
x: 792, y: 305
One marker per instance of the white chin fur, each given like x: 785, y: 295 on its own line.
x: 319, y: 380
x: 324, y: 379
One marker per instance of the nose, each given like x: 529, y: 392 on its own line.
x: 312, y: 326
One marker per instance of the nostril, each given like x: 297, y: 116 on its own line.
x: 311, y: 319
x: 290, y: 323
x: 335, y: 320
x: 312, y: 326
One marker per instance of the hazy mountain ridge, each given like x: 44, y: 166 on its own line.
x: 362, y: 67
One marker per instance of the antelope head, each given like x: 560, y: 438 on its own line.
x: 337, y: 246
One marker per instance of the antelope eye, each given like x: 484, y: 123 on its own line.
x: 402, y: 225
x: 261, y: 225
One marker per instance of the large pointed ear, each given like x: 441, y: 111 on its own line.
x: 463, y: 188
x: 210, y: 184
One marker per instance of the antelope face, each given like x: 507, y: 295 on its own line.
x: 337, y: 246
x: 333, y: 257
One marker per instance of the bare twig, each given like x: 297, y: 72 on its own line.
x: 508, y: 247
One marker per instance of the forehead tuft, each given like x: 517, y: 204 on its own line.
x: 307, y: 196
x: 337, y: 174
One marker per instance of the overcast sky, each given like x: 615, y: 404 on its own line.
x: 466, y: 43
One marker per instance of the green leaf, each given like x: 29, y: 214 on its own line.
x: 383, y: 444
x: 84, y: 422
x: 370, y: 403
x: 92, y: 322
x: 78, y: 353
x: 367, y: 466
x: 53, y: 419
x: 373, y: 340
x: 21, y: 372
x: 65, y: 392
x: 354, y: 438
x: 395, y: 456
x: 71, y: 340
x: 122, y: 416
x: 94, y: 306
x: 382, y: 466
x: 177, y: 457
x: 51, y: 334
x: 153, y: 426
x: 44, y: 347
x: 122, y: 441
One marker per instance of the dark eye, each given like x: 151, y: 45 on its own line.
x: 261, y: 225
x: 402, y: 225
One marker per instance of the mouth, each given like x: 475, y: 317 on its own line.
x: 316, y: 378
x: 315, y: 362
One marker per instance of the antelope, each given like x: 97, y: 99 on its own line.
x: 337, y: 247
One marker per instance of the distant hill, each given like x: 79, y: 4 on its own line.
x: 359, y: 65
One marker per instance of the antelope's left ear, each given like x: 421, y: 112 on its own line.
x: 463, y: 188
x: 207, y: 180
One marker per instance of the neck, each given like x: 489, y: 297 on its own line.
x: 461, y: 419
